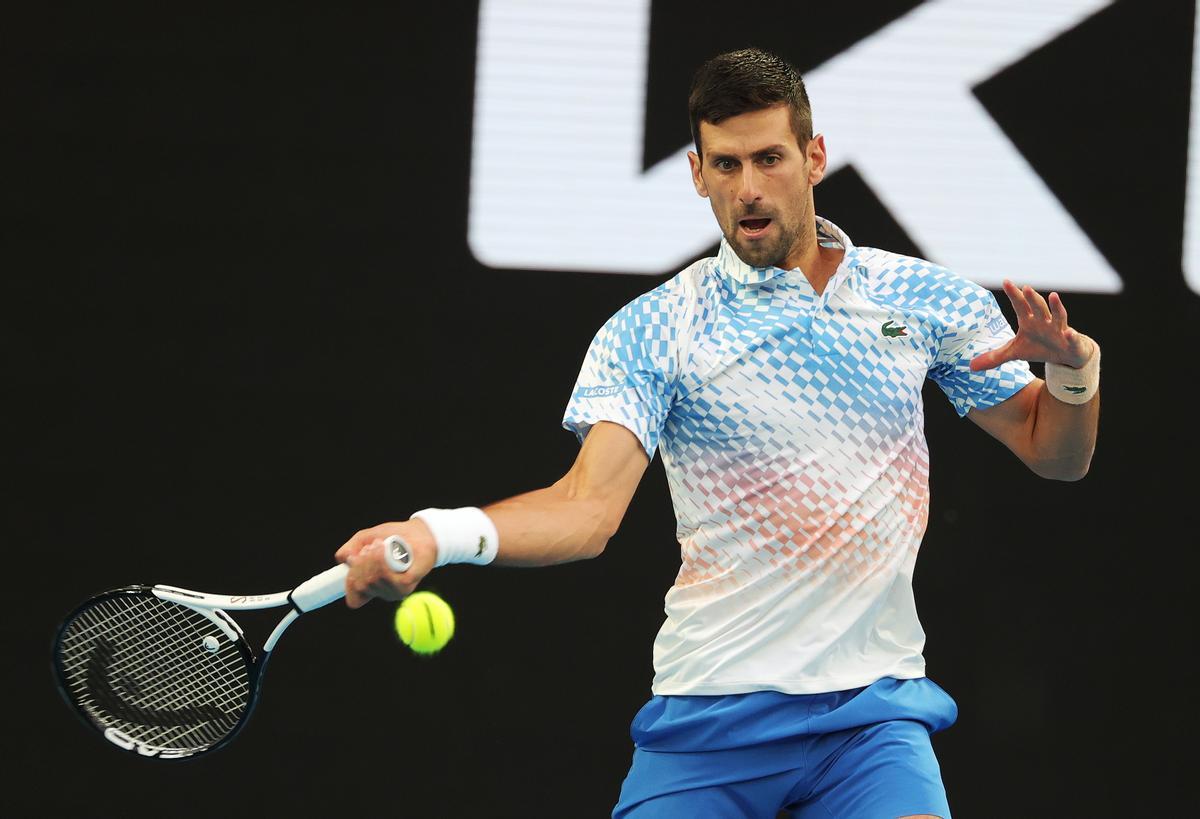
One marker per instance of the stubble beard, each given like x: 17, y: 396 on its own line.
x: 791, y: 233
x: 760, y: 253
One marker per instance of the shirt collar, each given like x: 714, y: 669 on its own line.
x: 828, y: 235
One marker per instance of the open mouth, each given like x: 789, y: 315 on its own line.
x: 754, y: 227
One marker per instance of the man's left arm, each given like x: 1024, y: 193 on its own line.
x: 1053, y: 438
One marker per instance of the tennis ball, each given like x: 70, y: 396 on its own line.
x: 424, y: 622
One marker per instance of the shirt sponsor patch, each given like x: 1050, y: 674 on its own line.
x: 598, y: 392
x: 997, y: 324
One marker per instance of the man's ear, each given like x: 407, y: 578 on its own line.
x: 817, y: 159
x: 697, y: 178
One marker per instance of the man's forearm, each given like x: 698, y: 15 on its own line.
x: 1063, y: 436
x: 551, y: 525
x: 574, y: 518
x: 571, y: 520
x: 540, y: 528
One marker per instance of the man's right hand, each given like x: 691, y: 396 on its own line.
x: 371, y: 577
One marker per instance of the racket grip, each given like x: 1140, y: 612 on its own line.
x: 328, y: 586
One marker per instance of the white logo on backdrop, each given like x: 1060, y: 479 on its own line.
x: 557, y: 180
x: 1191, y: 227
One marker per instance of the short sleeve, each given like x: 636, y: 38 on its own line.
x: 974, y: 324
x: 628, y: 375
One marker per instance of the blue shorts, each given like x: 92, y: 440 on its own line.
x: 858, y: 754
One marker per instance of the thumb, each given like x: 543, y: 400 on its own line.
x: 992, y: 358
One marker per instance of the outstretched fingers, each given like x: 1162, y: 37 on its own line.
x: 1059, y: 311
x: 1043, y: 333
x: 1041, y: 310
x: 1028, y: 303
x: 1017, y: 298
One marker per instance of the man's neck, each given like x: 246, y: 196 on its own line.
x: 818, y: 264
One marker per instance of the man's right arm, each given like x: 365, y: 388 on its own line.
x: 572, y: 519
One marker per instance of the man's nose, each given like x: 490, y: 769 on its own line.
x: 748, y: 191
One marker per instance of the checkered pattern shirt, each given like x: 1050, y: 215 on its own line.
x: 791, y: 428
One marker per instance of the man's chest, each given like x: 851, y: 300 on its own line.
x: 781, y: 364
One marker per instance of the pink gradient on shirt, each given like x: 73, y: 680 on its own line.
x: 793, y: 521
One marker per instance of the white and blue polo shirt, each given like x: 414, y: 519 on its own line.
x: 791, y: 428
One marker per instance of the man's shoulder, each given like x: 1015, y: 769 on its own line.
x: 887, y: 266
x: 674, y: 294
x: 900, y: 277
x: 690, y: 281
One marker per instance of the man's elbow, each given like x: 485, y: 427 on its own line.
x: 1064, y: 475
x: 1067, y: 470
x: 603, y: 532
x: 605, y: 522
x: 594, y: 548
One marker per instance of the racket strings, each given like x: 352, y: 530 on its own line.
x: 160, y: 673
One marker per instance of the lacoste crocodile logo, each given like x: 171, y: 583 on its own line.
x: 890, y: 331
x: 1075, y: 390
x: 482, y: 545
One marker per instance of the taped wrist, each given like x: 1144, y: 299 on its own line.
x: 463, y: 535
x: 1075, y: 385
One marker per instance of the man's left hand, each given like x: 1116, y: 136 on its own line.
x: 1042, y: 333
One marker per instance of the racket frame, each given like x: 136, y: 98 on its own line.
x: 318, y: 591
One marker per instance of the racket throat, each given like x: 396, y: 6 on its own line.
x: 287, y: 620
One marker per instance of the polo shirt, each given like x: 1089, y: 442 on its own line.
x: 791, y: 429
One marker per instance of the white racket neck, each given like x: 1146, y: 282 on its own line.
x: 229, y: 602
x: 317, y: 591
x: 287, y: 620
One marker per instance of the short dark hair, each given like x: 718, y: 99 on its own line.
x: 751, y: 79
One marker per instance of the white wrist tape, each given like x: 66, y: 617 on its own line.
x: 464, y: 535
x: 1075, y: 386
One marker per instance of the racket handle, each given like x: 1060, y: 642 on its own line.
x: 328, y: 586
x: 397, y: 554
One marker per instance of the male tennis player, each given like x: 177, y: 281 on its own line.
x: 781, y: 381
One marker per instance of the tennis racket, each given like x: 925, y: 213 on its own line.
x: 166, y: 672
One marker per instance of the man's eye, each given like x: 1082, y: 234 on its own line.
x: 770, y: 160
x: 724, y: 165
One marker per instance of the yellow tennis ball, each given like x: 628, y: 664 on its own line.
x: 425, y: 622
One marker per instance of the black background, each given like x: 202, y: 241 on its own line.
x: 241, y: 321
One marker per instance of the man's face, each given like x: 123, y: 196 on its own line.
x: 759, y: 182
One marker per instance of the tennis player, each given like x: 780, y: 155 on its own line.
x: 781, y: 382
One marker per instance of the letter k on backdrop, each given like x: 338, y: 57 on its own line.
x: 557, y: 180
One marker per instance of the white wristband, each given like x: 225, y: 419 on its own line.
x: 1075, y: 386
x: 464, y: 535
